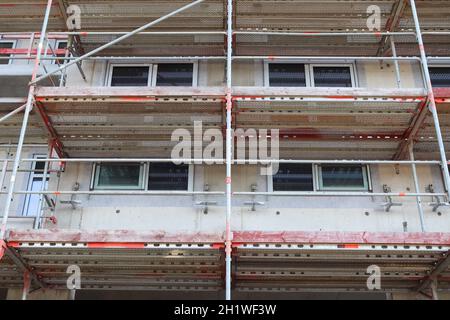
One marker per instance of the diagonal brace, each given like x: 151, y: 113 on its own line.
x: 21, y: 264
x: 2, y: 248
x: 12, y: 113
x: 124, y: 37
x: 441, y: 267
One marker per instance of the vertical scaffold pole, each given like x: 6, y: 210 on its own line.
x: 229, y: 106
x: 431, y: 98
x: 29, y: 106
x: 417, y: 188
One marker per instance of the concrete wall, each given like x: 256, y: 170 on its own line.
x: 278, y: 213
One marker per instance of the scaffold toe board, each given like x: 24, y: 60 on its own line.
x: 264, y: 261
x: 336, y: 261
x: 110, y: 261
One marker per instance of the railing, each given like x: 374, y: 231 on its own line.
x: 44, y: 193
x: 39, y: 55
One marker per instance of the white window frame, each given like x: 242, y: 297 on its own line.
x: 309, y: 71
x: 194, y: 71
x: 267, y: 72
x: 366, y: 175
x: 153, y: 71
x: 439, y: 66
x: 190, y: 177
x: 317, y: 181
x: 143, y: 178
x: 31, y: 177
x: 270, y: 181
x: 348, y: 65
x: 96, y: 172
x: 14, y: 46
x: 57, y: 42
x: 118, y: 64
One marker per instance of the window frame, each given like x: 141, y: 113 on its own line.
x: 111, y: 70
x: 438, y: 66
x: 194, y: 71
x: 337, y: 65
x: 14, y: 46
x: 153, y: 71
x: 96, y: 173
x: 366, y: 176
x: 190, y: 178
x: 64, y: 60
x: 317, y: 181
x: 271, y: 182
x: 267, y: 72
x: 143, y: 177
x: 309, y: 71
x: 31, y: 177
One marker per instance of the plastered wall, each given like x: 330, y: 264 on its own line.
x: 182, y: 213
x: 277, y: 213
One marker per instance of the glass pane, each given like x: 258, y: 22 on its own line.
x: 5, y: 45
x: 293, y: 177
x: 332, y: 77
x: 61, y: 45
x: 32, y: 204
x: 440, y: 77
x: 168, y: 176
x: 39, y: 167
x: 287, y: 75
x: 119, y: 175
x: 175, y: 74
x: 347, y: 177
x: 130, y: 77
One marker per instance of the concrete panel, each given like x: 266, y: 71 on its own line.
x: 383, y: 75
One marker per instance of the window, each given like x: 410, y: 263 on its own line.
x: 440, y: 77
x: 109, y: 176
x: 130, y: 76
x: 61, y: 45
x: 6, y: 45
x: 144, y: 75
x: 343, y: 177
x: 294, y: 177
x: 32, y: 201
x: 326, y: 177
x: 168, y: 176
x: 175, y: 74
x: 332, y: 76
x: 287, y: 75
x: 309, y: 75
x: 142, y: 176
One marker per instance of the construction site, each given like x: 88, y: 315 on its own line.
x: 354, y: 94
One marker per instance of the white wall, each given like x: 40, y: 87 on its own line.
x: 278, y: 213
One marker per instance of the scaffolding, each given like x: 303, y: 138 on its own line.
x: 389, y: 125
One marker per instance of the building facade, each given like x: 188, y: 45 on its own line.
x: 347, y: 100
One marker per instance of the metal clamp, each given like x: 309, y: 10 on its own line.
x: 389, y: 202
x: 206, y: 205
x: 73, y: 202
x: 254, y: 204
x: 438, y: 203
x: 51, y: 204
